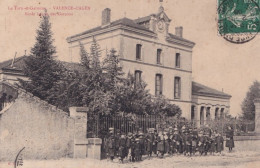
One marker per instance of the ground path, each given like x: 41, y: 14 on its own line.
x: 246, y: 154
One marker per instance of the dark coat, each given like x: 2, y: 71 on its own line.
x: 155, y: 142
x: 149, y: 143
x: 111, y: 146
x: 219, y: 143
x: 167, y: 144
x: 230, y: 139
x: 201, y: 143
x: 161, y: 145
x: 122, y: 148
x: 137, y: 150
x: 212, y: 145
x: 176, y: 139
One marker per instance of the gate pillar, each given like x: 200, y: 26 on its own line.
x: 257, y: 116
x: 80, y: 131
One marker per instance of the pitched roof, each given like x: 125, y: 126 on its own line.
x: 19, y: 63
x: 202, y: 90
x: 124, y: 21
x: 180, y: 38
x: 143, y: 19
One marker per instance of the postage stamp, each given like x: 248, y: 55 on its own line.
x: 238, y: 20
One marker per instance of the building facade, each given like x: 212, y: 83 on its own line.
x: 149, y: 51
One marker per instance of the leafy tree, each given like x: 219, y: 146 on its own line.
x: 43, y: 71
x: 133, y: 98
x: 69, y: 90
x: 248, y: 107
x: 161, y: 106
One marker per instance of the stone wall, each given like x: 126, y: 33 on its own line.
x: 45, y: 131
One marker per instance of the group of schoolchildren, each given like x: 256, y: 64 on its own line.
x: 172, y: 141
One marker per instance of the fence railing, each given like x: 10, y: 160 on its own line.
x: 98, y: 127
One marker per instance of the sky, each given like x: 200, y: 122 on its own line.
x: 217, y: 63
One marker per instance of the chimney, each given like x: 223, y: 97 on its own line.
x: 106, y: 16
x: 178, y: 31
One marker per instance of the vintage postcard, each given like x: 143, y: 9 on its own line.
x: 130, y: 83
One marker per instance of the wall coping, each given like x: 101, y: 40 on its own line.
x: 87, y: 141
x: 81, y: 141
x: 6, y: 108
x: 23, y: 93
x: 95, y: 141
x: 82, y: 109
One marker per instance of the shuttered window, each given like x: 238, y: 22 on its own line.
x: 177, y: 87
x: 158, y: 85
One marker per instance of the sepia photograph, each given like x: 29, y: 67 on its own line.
x: 129, y: 83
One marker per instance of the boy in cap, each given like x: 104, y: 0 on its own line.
x: 137, y: 151
x: 161, y: 144
x: 176, y: 139
x: 149, y: 142
x: 142, y: 144
x: 129, y: 144
x: 111, y: 144
x: 194, y: 140
x: 133, y: 145
x: 188, y: 142
x: 155, y: 142
x: 117, y: 137
x: 219, y: 143
x: 201, y: 142
x: 122, y: 148
x: 212, y: 144
x: 207, y: 142
x: 167, y: 141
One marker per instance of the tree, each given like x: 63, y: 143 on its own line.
x: 248, y: 107
x: 161, y: 106
x: 133, y: 98
x: 41, y: 68
x: 84, y: 57
x: 95, y: 95
x: 112, y: 69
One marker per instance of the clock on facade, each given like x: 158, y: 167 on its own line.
x: 160, y: 25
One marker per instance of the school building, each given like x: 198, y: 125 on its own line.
x: 162, y: 59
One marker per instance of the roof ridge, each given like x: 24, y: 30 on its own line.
x: 113, y: 23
